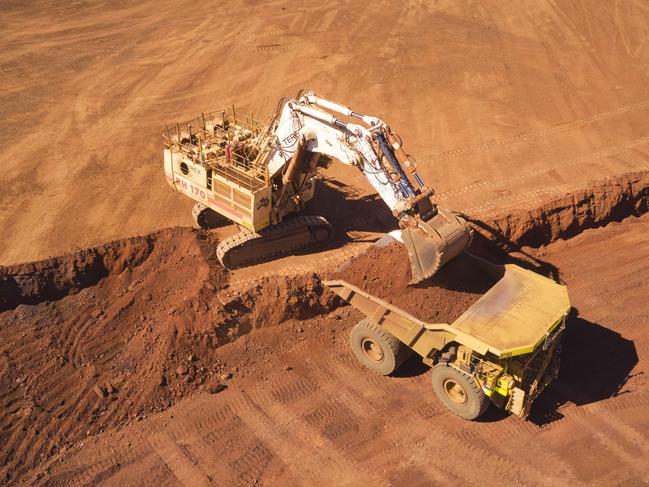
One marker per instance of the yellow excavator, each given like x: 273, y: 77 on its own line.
x: 261, y: 175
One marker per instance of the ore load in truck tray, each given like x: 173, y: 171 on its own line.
x: 518, y: 310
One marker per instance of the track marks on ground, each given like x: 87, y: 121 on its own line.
x: 532, y: 135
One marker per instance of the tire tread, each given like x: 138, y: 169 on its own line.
x: 474, y: 388
x: 395, y: 347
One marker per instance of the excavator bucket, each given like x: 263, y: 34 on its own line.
x: 434, y: 242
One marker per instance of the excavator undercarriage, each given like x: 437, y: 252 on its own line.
x: 260, y: 176
x: 292, y: 234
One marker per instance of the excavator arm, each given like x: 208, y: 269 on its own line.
x: 311, y: 124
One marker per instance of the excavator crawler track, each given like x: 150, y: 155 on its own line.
x: 206, y: 218
x: 247, y: 247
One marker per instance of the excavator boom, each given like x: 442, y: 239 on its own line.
x: 260, y: 176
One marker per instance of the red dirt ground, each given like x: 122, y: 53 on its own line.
x: 113, y: 357
x: 299, y: 410
x: 107, y: 336
x: 114, y: 362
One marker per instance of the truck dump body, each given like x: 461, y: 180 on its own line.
x: 511, y: 318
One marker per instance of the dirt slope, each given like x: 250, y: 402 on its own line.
x: 502, y: 103
x: 108, y: 335
x: 301, y: 410
x: 104, y: 350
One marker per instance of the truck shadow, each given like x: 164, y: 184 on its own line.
x: 412, y: 367
x: 596, y: 363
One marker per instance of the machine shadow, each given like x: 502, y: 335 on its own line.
x: 412, y: 367
x: 596, y: 363
x: 500, y: 250
x: 350, y: 212
x: 355, y: 217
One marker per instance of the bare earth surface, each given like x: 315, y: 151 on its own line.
x: 385, y: 272
x: 138, y: 360
x: 502, y: 103
x: 299, y: 410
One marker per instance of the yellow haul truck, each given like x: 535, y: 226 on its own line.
x: 503, y: 350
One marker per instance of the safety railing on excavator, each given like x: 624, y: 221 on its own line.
x: 214, y: 141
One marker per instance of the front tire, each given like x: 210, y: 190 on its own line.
x: 375, y: 348
x: 459, y: 392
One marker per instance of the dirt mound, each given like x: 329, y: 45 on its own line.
x: 306, y: 397
x: 385, y: 272
x: 105, y: 336
x: 601, y: 202
x: 55, y: 278
x: 108, y: 335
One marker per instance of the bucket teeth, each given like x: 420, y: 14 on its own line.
x: 434, y: 242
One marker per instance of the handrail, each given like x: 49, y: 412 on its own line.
x: 231, y: 145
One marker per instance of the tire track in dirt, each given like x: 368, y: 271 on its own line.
x: 585, y: 159
x: 329, y: 409
x: 532, y: 135
x: 184, y: 466
x: 462, y: 442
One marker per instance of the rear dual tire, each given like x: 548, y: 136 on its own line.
x: 381, y: 352
x: 377, y: 349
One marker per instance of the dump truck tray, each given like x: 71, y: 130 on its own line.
x: 512, y: 318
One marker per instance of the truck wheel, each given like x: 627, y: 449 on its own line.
x: 375, y: 348
x: 459, y: 392
x: 206, y: 217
